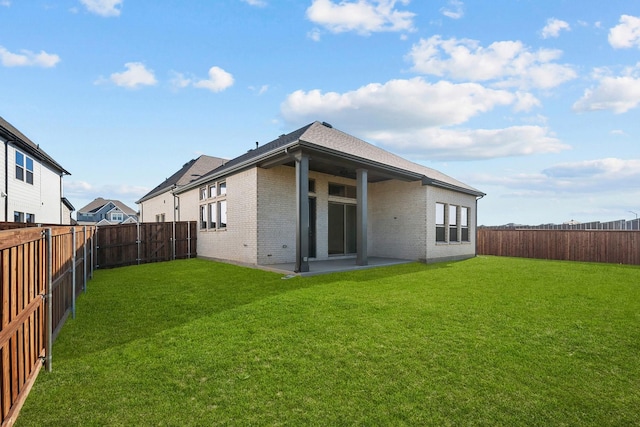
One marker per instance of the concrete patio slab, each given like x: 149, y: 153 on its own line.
x: 333, y: 265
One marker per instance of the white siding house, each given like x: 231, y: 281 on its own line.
x: 30, y: 182
x: 318, y: 194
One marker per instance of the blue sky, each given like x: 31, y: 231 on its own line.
x: 536, y: 103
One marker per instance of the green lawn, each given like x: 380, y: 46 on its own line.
x: 487, y: 341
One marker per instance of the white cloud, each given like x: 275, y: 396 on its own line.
x: 448, y: 144
x: 504, y: 63
x: 27, y: 58
x: 136, y: 75
x: 626, y: 34
x: 455, y: 11
x: 402, y: 104
x: 258, y: 3
x: 616, y: 93
x: 618, y: 132
x: 218, y: 80
x: 103, y: 7
x: 5, y: 3
x: 409, y: 116
x: 608, y: 175
x: 553, y: 28
x: 260, y: 90
x: 314, y: 35
x: 361, y: 16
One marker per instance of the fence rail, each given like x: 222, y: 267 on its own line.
x: 610, y: 246
x: 130, y: 244
x: 41, y: 271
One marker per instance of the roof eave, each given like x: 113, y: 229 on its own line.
x: 436, y: 183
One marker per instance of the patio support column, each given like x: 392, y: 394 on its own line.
x: 302, y: 213
x: 362, y: 257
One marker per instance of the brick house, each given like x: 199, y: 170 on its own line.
x: 319, y: 193
x: 163, y: 204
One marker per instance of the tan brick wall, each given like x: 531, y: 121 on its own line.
x: 457, y: 250
x: 397, y: 220
x: 238, y: 241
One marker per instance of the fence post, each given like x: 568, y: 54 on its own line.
x: 189, y: 239
x: 173, y: 240
x: 73, y: 272
x: 138, y: 240
x: 84, y: 258
x: 49, y: 302
x: 94, y: 248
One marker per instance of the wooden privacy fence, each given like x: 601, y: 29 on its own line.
x: 611, y: 246
x: 130, y: 244
x: 41, y: 272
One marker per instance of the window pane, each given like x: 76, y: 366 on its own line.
x: 439, y: 213
x: 336, y: 190
x: 29, y: 177
x: 440, y: 234
x: 31, y: 218
x: 465, y: 234
x: 222, y: 188
x: 222, y: 206
x: 203, y: 193
x: 453, y: 234
x: 29, y: 164
x: 351, y: 191
x: 453, y: 215
x: 18, y: 217
x: 19, y: 159
x: 464, y: 217
x: 203, y: 217
x: 312, y: 186
x: 19, y: 173
x: 213, y: 216
x: 212, y: 190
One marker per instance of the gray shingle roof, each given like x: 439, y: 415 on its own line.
x: 324, y: 136
x: 9, y: 132
x: 189, y: 172
x: 99, y: 202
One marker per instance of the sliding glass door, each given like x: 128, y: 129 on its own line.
x: 342, y: 228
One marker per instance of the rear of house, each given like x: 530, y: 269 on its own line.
x: 318, y: 193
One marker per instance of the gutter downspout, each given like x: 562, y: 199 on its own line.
x: 476, y: 221
x: 6, y: 181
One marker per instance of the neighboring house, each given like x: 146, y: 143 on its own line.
x: 161, y: 204
x: 106, y: 212
x: 30, y: 182
x: 319, y: 193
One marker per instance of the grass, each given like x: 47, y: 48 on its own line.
x: 487, y: 341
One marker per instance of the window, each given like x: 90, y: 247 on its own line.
x: 18, y: 216
x: 464, y: 224
x: 24, y: 168
x: 19, y: 166
x: 213, y: 216
x: 222, y: 208
x: 160, y: 218
x: 117, y: 216
x: 30, y: 218
x: 453, y: 223
x: 203, y: 217
x: 440, y: 230
x: 29, y: 170
x: 342, y: 190
x: 312, y: 186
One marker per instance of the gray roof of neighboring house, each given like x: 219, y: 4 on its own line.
x: 98, y: 203
x: 13, y: 135
x: 323, y: 137
x: 190, y: 171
